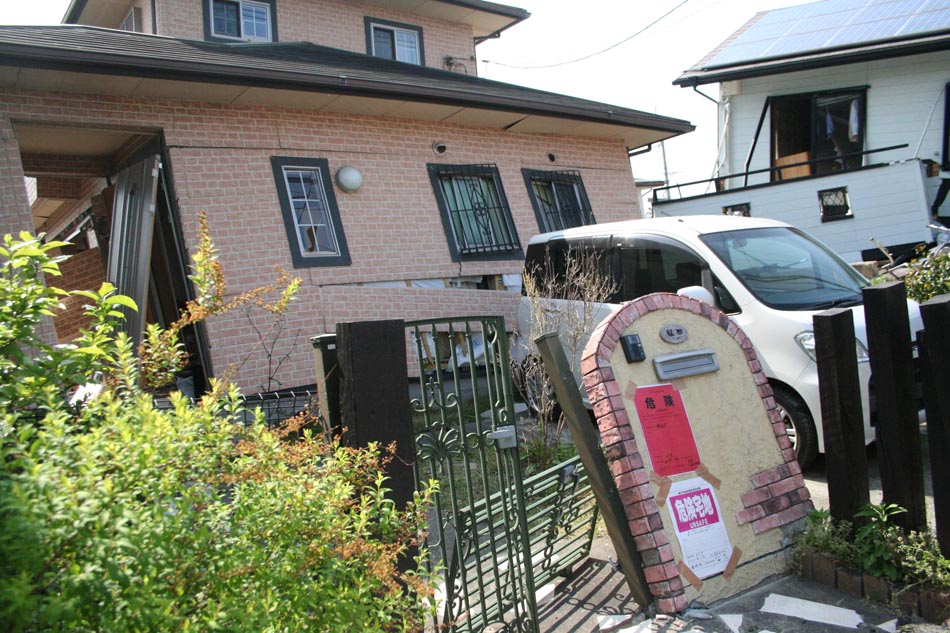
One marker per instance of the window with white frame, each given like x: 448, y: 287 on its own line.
x: 310, y: 212
x: 559, y: 199
x: 132, y: 21
x: 247, y: 20
x: 392, y: 40
x: 475, y: 212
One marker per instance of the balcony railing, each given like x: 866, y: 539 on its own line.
x: 776, y: 174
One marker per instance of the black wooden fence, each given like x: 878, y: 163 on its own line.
x: 899, y: 377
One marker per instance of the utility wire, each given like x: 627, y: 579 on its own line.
x: 601, y: 52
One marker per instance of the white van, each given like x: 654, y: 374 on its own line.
x: 769, y: 277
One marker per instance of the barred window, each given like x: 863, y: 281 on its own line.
x: 834, y: 204
x: 309, y: 210
x: 475, y: 212
x: 559, y: 199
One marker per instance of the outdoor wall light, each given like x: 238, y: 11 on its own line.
x: 349, y: 178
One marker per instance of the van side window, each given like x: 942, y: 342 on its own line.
x: 648, y: 266
x: 724, y: 299
x: 579, y: 270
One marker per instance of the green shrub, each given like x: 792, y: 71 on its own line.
x: 824, y: 534
x: 875, y: 541
x: 921, y: 560
x: 116, y: 516
x: 929, y: 276
x: 878, y: 547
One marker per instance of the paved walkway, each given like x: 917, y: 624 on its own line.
x: 596, y: 599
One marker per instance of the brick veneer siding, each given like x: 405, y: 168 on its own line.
x: 220, y: 163
x: 777, y: 497
x: 331, y: 23
x: 82, y: 271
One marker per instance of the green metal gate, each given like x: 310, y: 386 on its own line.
x: 494, y: 537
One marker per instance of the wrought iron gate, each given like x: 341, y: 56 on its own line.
x: 494, y: 537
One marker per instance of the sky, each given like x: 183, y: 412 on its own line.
x: 650, y: 42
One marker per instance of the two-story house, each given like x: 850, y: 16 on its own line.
x: 833, y: 117
x: 348, y: 142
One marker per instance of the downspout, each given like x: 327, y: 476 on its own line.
x: 154, y: 19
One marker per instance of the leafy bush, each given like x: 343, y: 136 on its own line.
x: 878, y: 546
x: 117, y: 516
x: 824, y: 534
x: 929, y: 276
x: 921, y: 560
x: 875, y: 541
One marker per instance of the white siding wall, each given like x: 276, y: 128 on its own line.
x: 901, y: 93
x: 888, y: 203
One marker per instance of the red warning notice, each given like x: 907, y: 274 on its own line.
x: 667, y: 431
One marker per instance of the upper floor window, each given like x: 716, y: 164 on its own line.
x: 247, y: 20
x: 132, y: 21
x: 816, y: 133
x: 475, y: 211
x: 392, y: 40
x: 310, y: 213
x: 559, y: 199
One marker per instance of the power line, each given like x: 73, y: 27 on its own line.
x: 601, y: 52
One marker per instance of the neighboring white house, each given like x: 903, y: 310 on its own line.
x: 833, y: 116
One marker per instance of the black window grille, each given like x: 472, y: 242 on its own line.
x: 834, y: 204
x: 475, y: 212
x: 559, y: 199
x: 743, y: 210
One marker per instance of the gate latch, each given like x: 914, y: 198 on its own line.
x: 504, y: 437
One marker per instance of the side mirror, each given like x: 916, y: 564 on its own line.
x: 697, y: 292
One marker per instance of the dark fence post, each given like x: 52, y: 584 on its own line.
x: 601, y: 479
x: 374, y: 395
x: 841, y: 413
x: 898, y: 428
x: 934, y: 354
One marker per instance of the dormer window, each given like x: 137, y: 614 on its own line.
x: 247, y: 20
x: 392, y: 40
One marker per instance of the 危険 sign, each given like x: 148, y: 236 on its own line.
x: 666, y: 429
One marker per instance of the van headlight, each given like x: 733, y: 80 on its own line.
x: 806, y: 341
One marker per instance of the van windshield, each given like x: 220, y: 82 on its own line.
x: 787, y: 270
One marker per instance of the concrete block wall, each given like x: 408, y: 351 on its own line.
x: 220, y: 164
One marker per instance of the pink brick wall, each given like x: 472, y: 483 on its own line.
x: 331, y: 23
x: 220, y: 160
x: 82, y: 271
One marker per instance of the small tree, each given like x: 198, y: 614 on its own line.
x: 565, y: 301
x: 117, y: 516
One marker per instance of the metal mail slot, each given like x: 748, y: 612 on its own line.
x: 700, y: 361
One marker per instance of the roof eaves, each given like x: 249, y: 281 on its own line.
x: 884, y: 49
x: 480, y: 94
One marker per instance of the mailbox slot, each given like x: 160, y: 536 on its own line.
x: 700, y: 361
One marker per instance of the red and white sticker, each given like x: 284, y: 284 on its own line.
x: 702, y: 535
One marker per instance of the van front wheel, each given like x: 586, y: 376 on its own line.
x: 798, y: 424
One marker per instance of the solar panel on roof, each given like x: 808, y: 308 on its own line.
x: 833, y: 23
